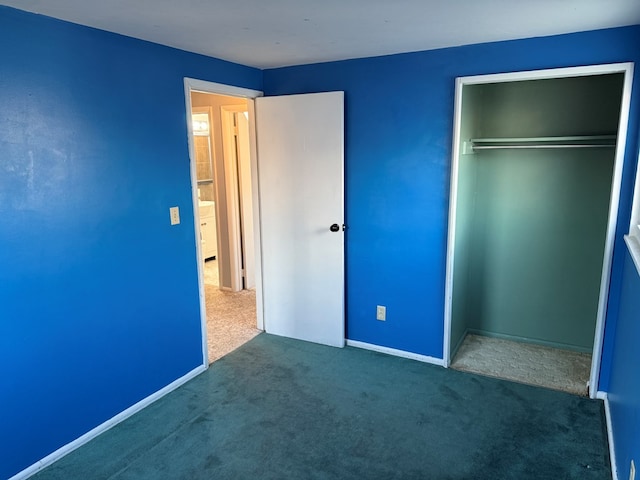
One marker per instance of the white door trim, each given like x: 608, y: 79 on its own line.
x: 220, y: 88
x: 195, y: 85
x: 238, y: 187
x: 627, y: 70
x: 233, y: 195
x: 246, y: 207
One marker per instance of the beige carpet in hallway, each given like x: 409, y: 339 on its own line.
x: 538, y: 365
x: 231, y: 316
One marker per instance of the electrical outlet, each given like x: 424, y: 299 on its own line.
x: 632, y: 471
x: 381, y: 313
x: 174, y: 214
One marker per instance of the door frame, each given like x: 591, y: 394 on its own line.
x: 240, y: 214
x: 203, y: 86
x: 461, y: 82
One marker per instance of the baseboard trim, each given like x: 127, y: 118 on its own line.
x: 600, y: 395
x: 396, y: 353
x: 515, y: 338
x: 91, y: 434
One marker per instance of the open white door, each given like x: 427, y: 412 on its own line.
x: 300, y: 144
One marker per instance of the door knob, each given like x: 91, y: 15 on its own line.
x: 335, y: 227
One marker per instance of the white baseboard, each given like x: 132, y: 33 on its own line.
x: 396, y: 353
x: 534, y: 341
x: 91, y: 434
x: 612, y: 450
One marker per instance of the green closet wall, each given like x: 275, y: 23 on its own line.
x: 462, y: 308
x: 531, y: 224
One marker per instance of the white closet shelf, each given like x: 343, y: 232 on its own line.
x: 575, y: 141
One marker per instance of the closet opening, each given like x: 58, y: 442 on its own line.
x: 536, y: 169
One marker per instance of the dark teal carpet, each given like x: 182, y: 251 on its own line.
x: 284, y: 409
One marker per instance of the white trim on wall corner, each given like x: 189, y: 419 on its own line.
x: 600, y: 395
x: 220, y: 88
x: 633, y: 244
x: 605, y: 279
x: 396, y: 353
x: 112, y: 422
x: 196, y: 223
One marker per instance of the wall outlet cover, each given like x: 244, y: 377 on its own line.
x: 174, y: 214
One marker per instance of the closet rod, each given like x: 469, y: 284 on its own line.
x: 575, y: 141
x: 556, y: 145
x: 572, y: 138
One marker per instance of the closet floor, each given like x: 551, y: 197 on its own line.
x: 231, y: 316
x: 538, y: 365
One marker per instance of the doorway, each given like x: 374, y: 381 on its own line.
x: 534, y: 198
x: 221, y: 148
x: 297, y: 206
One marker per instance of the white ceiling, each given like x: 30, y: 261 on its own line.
x: 274, y: 33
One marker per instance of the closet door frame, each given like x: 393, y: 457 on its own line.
x: 461, y: 82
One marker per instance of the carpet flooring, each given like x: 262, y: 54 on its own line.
x: 211, y: 273
x: 538, y: 365
x: 278, y: 408
x: 231, y: 316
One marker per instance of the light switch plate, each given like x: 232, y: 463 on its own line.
x: 174, y: 213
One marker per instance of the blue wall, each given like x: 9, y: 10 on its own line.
x: 98, y: 294
x: 399, y: 118
x: 99, y: 301
x: 624, y: 388
x: 399, y: 122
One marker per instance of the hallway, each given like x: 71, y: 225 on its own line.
x: 231, y: 316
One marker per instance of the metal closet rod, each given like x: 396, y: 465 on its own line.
x: 575, y: 141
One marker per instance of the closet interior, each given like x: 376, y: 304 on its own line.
x: 535, y: 169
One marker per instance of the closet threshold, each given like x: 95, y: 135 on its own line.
x: 575, y: 141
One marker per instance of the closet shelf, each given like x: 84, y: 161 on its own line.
x: 575, y: 141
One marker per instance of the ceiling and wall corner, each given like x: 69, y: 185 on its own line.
x: 293, y: 32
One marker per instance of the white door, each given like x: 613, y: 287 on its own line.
x: 300, y: 142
